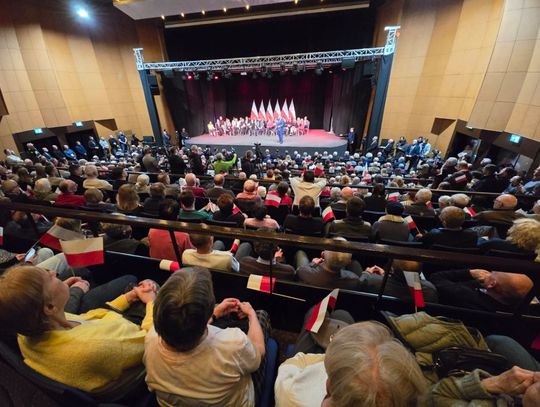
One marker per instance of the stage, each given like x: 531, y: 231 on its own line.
x: 315, y: 140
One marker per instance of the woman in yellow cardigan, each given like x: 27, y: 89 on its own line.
x: 98, y: 351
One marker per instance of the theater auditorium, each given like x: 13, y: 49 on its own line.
x: 266, y: 203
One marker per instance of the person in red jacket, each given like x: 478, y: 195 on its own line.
x: 68, y: 188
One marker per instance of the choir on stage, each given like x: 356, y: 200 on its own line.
x: 245, y: 126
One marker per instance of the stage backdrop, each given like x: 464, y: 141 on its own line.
x: 337, y: 100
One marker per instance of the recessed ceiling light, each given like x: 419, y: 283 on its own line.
x: 162, y: 17
x: 247, y: 7
x: 224, y: 9
x: 182, y: 15
x: 203, y: 12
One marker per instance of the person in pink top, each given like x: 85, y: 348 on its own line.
x: 261, y: 219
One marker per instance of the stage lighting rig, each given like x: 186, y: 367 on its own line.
x: 196, y: 75
x: 295, y: 69
x: 183, y: 76
x: 209, y: 76
x: 282, y: 70
x: 254, y: 74
x: 227, y: 74
x: 319, y: 69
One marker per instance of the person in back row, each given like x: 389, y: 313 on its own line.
x: 392, y: 226
x: 307, y: 186
x: 452, y: 233
x: 97, y: 351
x: 188, y: 212
x: 304, y: 223
x: 352, y: 226
x: 190, y: 361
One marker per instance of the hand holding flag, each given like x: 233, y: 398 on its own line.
x: 413, y: 281
x: 319, y: 311
x: 168, y: 265
x: 328, y: 214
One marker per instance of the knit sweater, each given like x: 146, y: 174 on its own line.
x: 93, y: 354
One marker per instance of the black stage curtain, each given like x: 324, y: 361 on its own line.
x: 332, y: 101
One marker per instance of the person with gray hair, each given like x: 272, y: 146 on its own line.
x: 420, y: 205
x: 451, y: 234
x: 43, y: 190
x: 461, y: 201
x: 92, y: 180
x: 444, y: 201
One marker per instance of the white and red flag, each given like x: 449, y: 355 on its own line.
x: 292, y: 111
x: 55, y: 234
x: 366, y: 176
x: 269, y: 112
x: 413, y: 281
x: 254, y: 114
x: 83, y: 253
x: 429, y: 204
x: 236, y: 209
x: 260, y: 283
x: 277, y: 111
x: 410, y: 221
x: 319, y: 311
x: 393, y: 197
x: 262, y: 112
x: 272, y: 200
x: 285, y: 111
x: 235, y: 245
x: 461, y: 179
x: 328, y: 214
x: 168, y: 265
x: 469, y: 210
x: 1, y: 236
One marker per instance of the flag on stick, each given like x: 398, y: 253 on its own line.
x: 470, y: 211
x: 254, y: 114
x: 55, y: 234
x: 168, y: 265
x: 272, y: 200
x: 413, y: 281
x: 328, y: 214
x: 393, y: 197
x: 235, y: 245
x: 429, y: 204
x: 319, y: 311
x: 411, y: 223
x: 236, y: 209
x: 1, y: 236
x: 260, y: 283
x: 85, y: 252
x: 461, y: 179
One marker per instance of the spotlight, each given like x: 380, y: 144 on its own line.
x: 247, y: 7
x: 83, y: 13
x: 196, y: 75
x: 295, y: 69
x: 224, y: 9
x: 189, y: 76
x: 254, y: 74
x: 203, y: 12
x: 269, y: 74
x: 209, y: 76
x: 282, y: 70
x: 319, y: 69
x: 183, y: 76
x: 295, y: 1
x: 216, y: 77
x: 182, y: 15
x: 227, y: 74
x: 162, y: 17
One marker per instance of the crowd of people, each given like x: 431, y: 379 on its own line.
x: 192, y: 351
x: 246, y: 126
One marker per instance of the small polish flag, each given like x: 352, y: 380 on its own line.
x: 393, y: 197
x: 460, y: 179
x: 292, y: 111
x: 410, y: 222
x: 236, y: 209
x: 85, y: 252
x: 260, y: 283
x: 234, y: 247
x: 1, y: 236
x: 262, y: 112
x: 429, y: 204
x: 319, y: 311
x: 413, y: 281
x: 328, y: 214
x: 254, y: 114
x: 168, y: 265
x: 277, y: 111
x: 318, y: 171
x: 55, y: 234
x: 366, y: 176
x: 272, y: 200
x: 269, y: 112
x: 536, y: 343
x: 469, y: 210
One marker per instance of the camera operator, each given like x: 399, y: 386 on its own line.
x: 248, y: 162
x: 195, y: 161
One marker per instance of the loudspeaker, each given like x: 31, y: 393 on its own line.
x: 347, y: 63
x: 153, y: 83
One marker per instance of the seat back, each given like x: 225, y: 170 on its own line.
x: 220, y: 223
x: 469, y: 250
x: 278, y: 214
x: 514, y: 255
x: 401, y: 243
x: 371, y: 216
x: 246, y: 206
x: 501, y: 228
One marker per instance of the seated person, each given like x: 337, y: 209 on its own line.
x: 341, y: 204
x: 461, y: 201
x: 192, y: 184
x: 420, y: 205
x: 261, y: 219
x: 481, y: 289
x: 376, y: 202
x: 94, y: 200
x: 444, y: 201
x: 522, y: 237
x: 157, y: 195
x: 67, y: 197
x: 118, y: 177
x: 189, y: 361
x: 268, y: 253
x: 217, y: 189
x: 250, y: 191
x: 304, y: 223
x: 451, y: 234
x: 92, y: 180
x: 13, y: 191
x: 213, y: 256
x: 161, y: 246
x: 391, y: 226
x: 127, y: 200
x: 75, y: 350
x: 327, y: 271
x: 171, y: 190
x: 43, y: 190
x: 282, y: 190
x: 187, y: 200
x: 226, y: 211
x: 503, y: 211
x: 142, y: 186
x: 353, y: 225
x: 118, y: 239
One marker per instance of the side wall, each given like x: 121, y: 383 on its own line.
x: 56, y: 69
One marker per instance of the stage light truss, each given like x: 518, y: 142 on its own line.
x: 273, y: 62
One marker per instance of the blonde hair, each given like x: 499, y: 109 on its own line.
x: 337, y: 260
x: 22, y: 300
x: 91, y: 171
x: 525, y: 234
x: 368, y: 367
x: 42, y: 185
x: 127, y: 198
x: 142, y: 183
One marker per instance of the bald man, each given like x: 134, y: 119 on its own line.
x: 341, y: 205
x: 218, y: 189
x: 192, y: 184
x: 504, y: 211
x: 481, y: 289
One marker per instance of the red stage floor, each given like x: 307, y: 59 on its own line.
x: 315, y: 138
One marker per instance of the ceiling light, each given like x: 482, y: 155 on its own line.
x: 83, y: 13
x: 224, y: 9
x: 295, y: 1
x: 162, y: 17
x: 247, y: 7
x: 182, y: 15
x: 203, y: 12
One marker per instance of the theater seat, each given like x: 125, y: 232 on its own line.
x: 468, y: 250
x: 512, y: 255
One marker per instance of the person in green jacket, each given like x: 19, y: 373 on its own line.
x: 221, y: 166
